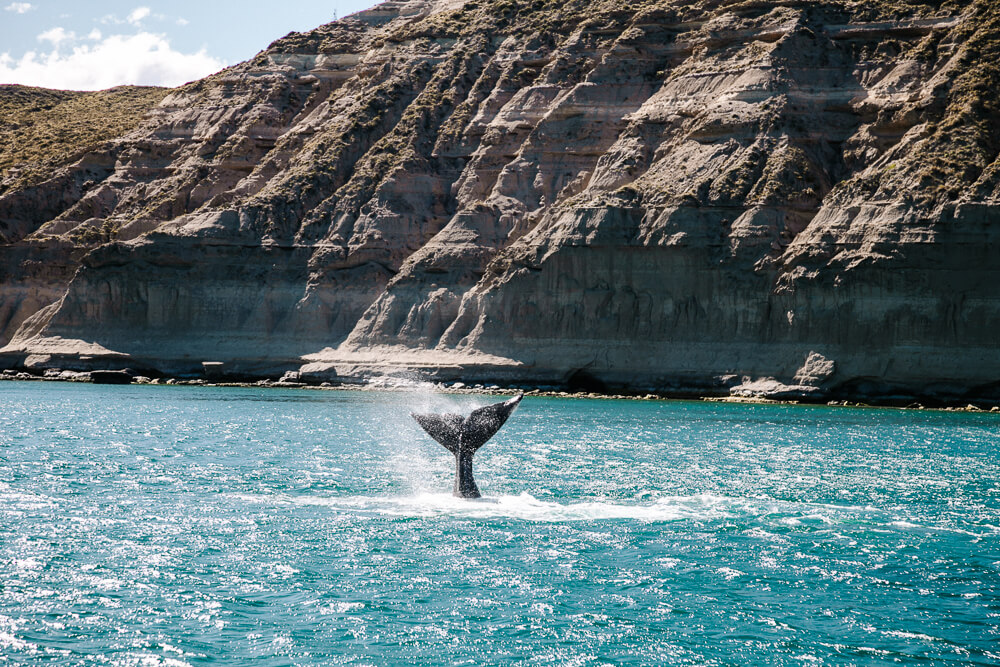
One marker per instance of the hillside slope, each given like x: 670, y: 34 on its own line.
x: 693, y: 196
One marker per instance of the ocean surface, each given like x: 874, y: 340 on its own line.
x: 171, y: 525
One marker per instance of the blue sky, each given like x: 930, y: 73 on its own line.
x: 94, y: 45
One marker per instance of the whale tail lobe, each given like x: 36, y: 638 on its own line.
x: 462, y: 436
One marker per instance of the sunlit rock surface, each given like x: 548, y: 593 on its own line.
x: 792, y: 199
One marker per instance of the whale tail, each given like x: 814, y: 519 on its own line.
x: 462, y: 436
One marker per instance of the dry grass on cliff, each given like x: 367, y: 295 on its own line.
x: 967, y: 140
x: 958, y: 155
x: 42, y: 129
x: 525, y: 16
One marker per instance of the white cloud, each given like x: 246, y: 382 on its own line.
x: 19, y: 7
x: 142, y: 59
x: 137, y: 15
x: 57, y: 36
x: 95, y: 34
x: 182, y: 21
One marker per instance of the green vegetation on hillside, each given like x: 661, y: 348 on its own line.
x: 41, y: 129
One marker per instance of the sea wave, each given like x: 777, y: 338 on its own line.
x: 775, y: 517
x: 525, y: 507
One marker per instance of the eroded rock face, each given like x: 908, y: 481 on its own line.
x: 683, y: 196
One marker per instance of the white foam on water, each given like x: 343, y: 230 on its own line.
x: 911, y: 635
x: 527, y: 507
x: 24, y: 500
x: 9, y: 641
x: 341, y: 608
x: 729, y: 573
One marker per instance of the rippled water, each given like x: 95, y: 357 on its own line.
x: 178, y: 525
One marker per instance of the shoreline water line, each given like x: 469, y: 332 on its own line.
x: 461, y: 388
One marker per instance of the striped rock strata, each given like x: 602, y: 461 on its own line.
x: 757, y: 198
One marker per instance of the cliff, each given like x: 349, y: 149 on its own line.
x: 772, y: 198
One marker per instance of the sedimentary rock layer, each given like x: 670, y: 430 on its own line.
x: 765, y: 198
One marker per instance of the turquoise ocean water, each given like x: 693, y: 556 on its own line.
x: 156, y: 525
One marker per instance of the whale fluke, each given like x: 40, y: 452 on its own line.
x: 462, y: 436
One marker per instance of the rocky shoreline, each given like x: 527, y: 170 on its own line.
x: 293, y: 381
